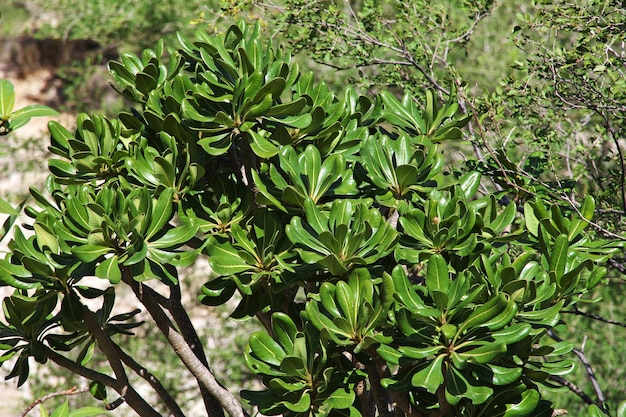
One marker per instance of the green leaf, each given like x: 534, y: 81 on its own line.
x: 470, y: 183
x: 530, y: 400
x: 6, y: 208
x: 532, y: 222
x: 90, y: 253
x: 88, y: 412
x: 484, y: 354
x: 34, y: 110
x: 420, y: 353
x: 340, y: 399
x: 587, y: 210
x: 595, y: 411
x: 46, y: 238
x: 485, y: 312
x: 407, y: 295
x: 7, y: 98
x: 460, y: 386
x: 62, y: 411
x: 558, y: 257
x: 266, y: 349
x: 437, y: 277
x: 285, y: 330
x: 109, y: 269
x: 261, y: 146
x: 431, y: 377
x: 301, y: 406
x: 621, y: 409
x: 161, y: 213
x: 504, y: 219
x: 98, y: 390
x: 175, y: 237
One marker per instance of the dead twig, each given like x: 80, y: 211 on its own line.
x: 38, y: 401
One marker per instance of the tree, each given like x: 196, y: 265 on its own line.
x: 543, y: 80
x: 384, y: 286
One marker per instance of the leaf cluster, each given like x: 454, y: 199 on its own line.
x: 328, y: 217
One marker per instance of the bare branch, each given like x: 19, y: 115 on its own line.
x: 572, y: 387
x: 154, y: 382
x: 577, y: 312
x: 201, y: 372
x: 111, y: 351
x: 71, y: 391
x: 590, y: 373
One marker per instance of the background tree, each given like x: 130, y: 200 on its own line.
x: 384, y: 285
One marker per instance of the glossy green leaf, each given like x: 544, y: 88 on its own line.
x: 6, y: 208
x: 431, y: 377
x: 302, y: 405
x: 459, y: 386
x: 340, y: 399
x: 98, y: 390
x: 7, y: 98
x: 437, y: 277
x: 587, y: 209
x: 558, y: 257
x: 266, y: 349
x: 420, y: 353
x: 485, y: 353
x: 34, y: 110
x: 110, y: 269
x: 285, y: 330
x: 485, y: 312
x: 470, y: 183
x: 261, y: 146
x: 90, y: 253
x: 61, y: 411
x: 88, y: 412
x: 525, y: 407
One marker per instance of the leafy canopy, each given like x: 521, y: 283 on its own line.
x: 330, y: 218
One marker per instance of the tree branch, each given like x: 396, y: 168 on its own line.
x: 110, y: 350
x: 588, y: 368
x: 154, y: 382
x: 203, y: 375
x: 577, y: 312
x: 71, y: 391
x: 174, y: 305
x: 572, y: 387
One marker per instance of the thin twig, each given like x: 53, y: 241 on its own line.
x: 572, y: 387
x: 71, y: 391
x: 577, y: 312
x: 590, y: 373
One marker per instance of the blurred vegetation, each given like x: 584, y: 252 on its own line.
x: 544, y: 80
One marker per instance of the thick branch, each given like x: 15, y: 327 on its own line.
x: 382, y: 371
x: 174, y: 305
x: 184, y: 351
x: 110, y: 350
x: 154, y: 382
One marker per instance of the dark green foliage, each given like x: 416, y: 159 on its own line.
x: 327, y: 217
